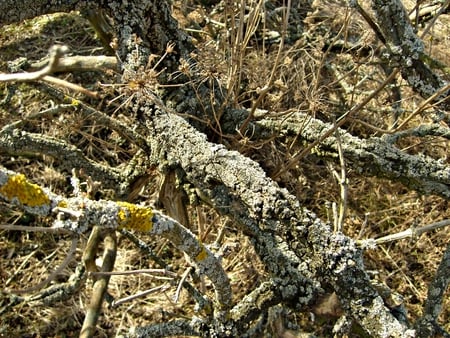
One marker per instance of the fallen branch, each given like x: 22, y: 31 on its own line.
x: 55, y: 54
x: 80, y: 214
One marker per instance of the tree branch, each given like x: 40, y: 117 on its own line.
x: 79, y: 214
x: 373, y: 156
x: 406, y: 48
x: 428, y: 326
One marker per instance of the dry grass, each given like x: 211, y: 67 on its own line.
x: 306, y: 75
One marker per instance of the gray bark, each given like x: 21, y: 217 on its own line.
x: 406, y: 48
x: 374, y: 156
x: 299, y: 250
x: 230, y: 179
x: 16, y: 11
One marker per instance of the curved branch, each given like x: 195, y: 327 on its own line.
x: 237, y: 186
x: 79, y: 214
x: 373, y: 156
x: 407, y: 48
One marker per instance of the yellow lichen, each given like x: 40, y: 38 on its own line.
x: 27, y: 193
x: 202, y: 255
x: 135, y: 217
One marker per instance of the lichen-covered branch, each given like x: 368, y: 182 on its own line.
x: 257, y: 301
x: 406, y: 47
x: 373, y: 156
x: 80, y: 214
x: 173, y: 328
x: 300, y: 251
x: 147, y: 27
x: 428, y: 326
x: 15, y: 141
x: 237, y: 186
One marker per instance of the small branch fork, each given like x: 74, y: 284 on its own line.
x: 413, y: 233
x: 55, y: 54
x: 80, y: 214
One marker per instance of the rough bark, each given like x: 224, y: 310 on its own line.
x: 229, y: 179
x: 16, y: 11
x: 406, y: 48
x: 299, y: 250
x: 376, y: 156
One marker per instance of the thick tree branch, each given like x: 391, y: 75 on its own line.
x: 406, y: 48
x: 373, y: 156
x: 80, y: 214
x: 237, y: 186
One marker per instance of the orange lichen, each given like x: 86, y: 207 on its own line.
x: 26, y: 193
x: 135, y: 217
x: 202, y: 255
x: 62, y: 204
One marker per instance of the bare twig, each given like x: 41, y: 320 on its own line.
x: 343, y: 184
x: 413, y: 232
x: 101, y: 284
x: 55, y: 54
x: 54, y: 274
x: 14, y: 227
x: 81, y: 63
x: 160, y: 288
x: 180, y: 284
x: 135, y: 272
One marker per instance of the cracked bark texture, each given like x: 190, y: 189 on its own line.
x: 406, y: 48
x: 238, y: 187
x: 373, y: 156
x: 298, y: 249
